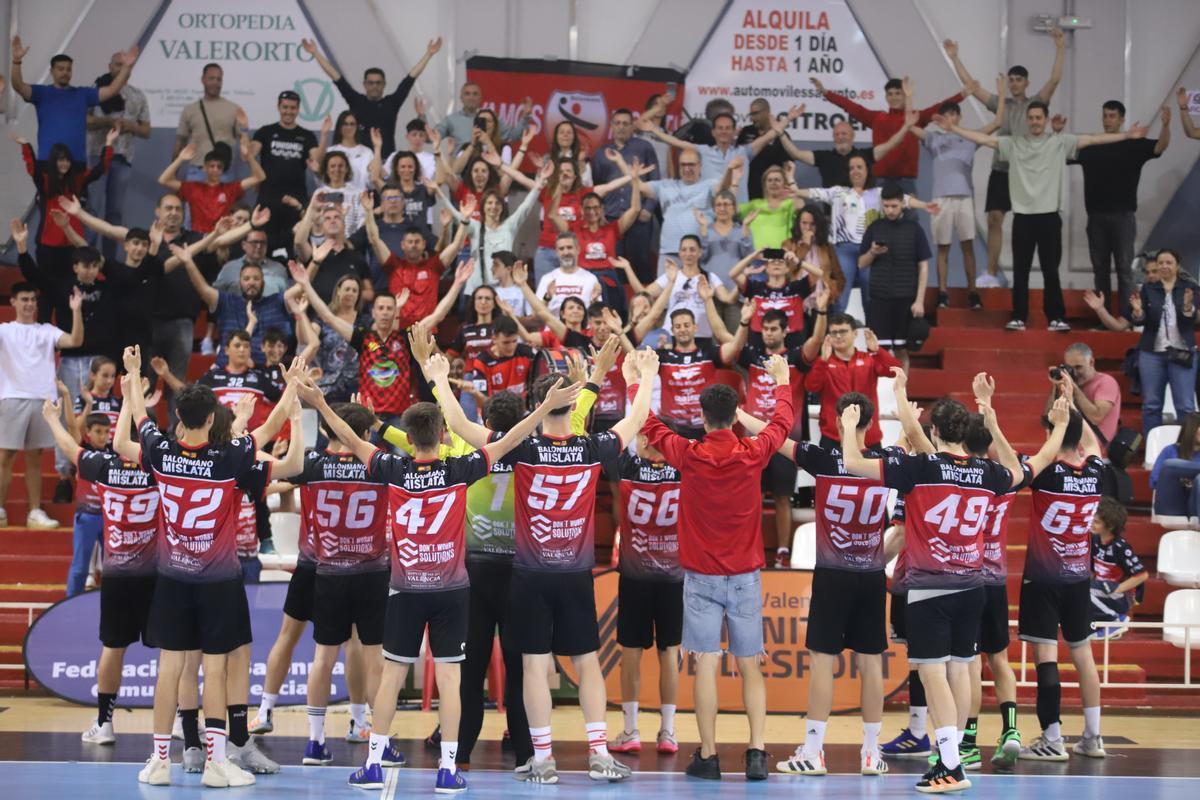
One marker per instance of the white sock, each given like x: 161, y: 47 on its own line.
x: 668, y: 718
x: 597, y: 735
x: 541, y: 743
x: 449, y: 753
x: 215, y: 738
x: 358, y: 713
x: 378, y: 745
x: 162, y: 746
x: 871, y: 736
x: 1053, y: 732
x: 1091, y: 721
x: 630, y: 711
x: 814, y: 738
x: 267, y: 704
x: 316, y: 724
x: 947, y: 745
x: 916, y: 720
x: 961, y: 735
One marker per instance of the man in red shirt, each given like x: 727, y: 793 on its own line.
x: 843, y: 368
x: 901, y: 163
x: 211, y: 199
x: 721, y: 551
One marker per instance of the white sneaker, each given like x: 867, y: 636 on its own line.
x: 987, y: 281
x: 1014, y: 325
x: 358, y: 734
x: 1090, y: 746
x: 1042, y: 749
x: 3, y: 518
x: 40, y: 519
x: 206, y: 347
x: 193, y: 760
x: 157, y: 772
x: 607, y: 768
x: 222, y: 774
x: 873, y: 764
x: 249, y: 758
x: 800, y: 764
x: 100, y: 734
x: 1059, y: 325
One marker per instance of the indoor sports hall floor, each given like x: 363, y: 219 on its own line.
x: 41, y: 756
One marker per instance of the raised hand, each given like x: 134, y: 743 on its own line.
x: 899, y: 379
x: 748, y: 310
x: 604, y: 358
x: 421, y: 343
x: 240, y: 117
x: 1138, y: 131
x: 322, y: 251
x: 827, y: 348
x: 367, y: 200
x: 1135, y: 303
x: 1164, y: 114
x: 951, y: 48
x: 244, y: 408
x: 467, y: 209
x: 872, y: 341
x: 188, y: 152
x: 850, y: 416
x: 1060, y: 412
x: 647, y: 364
x: 159, y: 365
x: 672, y: 272
x: 436, y: 367
x: 20, y: 233
x: 576, y: 369
x: 562, y: 395
x: 433, y: 46
x: 528, y: 134
x: 251, y: 317
x: 309, y: 46
x: 76, y: 301
x: 822, y: 293
x: 402, y: 298
x: 1094, y: 300
x: 1058, y: 123
x: 463, y: 272
x: 61, y: 218
x: 704, y: 289
x: 131, y: 358
x: 1056, y: 33
x: 820, y: 87
x: 299, y: 274
x: 1182, y: 97
x: 984, y: 386
x: 942, y: 122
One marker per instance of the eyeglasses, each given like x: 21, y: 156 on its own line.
x: 256, y: 242
x: 683, y: 164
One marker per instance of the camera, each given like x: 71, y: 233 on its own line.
x: 1057, y: 373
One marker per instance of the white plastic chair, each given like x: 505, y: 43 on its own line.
x: 854, y: 307
x: 1179, y: 558
x: 309, y: 419
x: 274, y: 576
x: 892, y: 430
x: 1182, y: 606
x: 1157, y: 439
x: 885, y: 399
x: 285, y: 532
x: 804, y: 546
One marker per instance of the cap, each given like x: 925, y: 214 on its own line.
x: 918, y: 333
x: 288, y: 94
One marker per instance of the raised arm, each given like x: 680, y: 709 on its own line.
x: 853, y: 460
x: 1136, y: 131
x: 951, y: 48
x: 71, y: 205
x: 909, y: 414
x: 431, y: 50
x: 1185, y: 118
x: 123, y: 442
x: 340, y: 326
x: 168, y: 179
x: 293, y: 463
x: 75, y: 337
x: 1164, y: 136
x: 310, y: 47
x: 257, y: 175
x: 646, y: 362
x: 424, y: 352
x: 978, y: 137
x: 163, y: 371
x: 731, y: 349
x: 16, y: 77
x: 659, y: 306
x: 128, y: 58
x: 207, y: 293
x: 911, y: 119
x: 447, y: 301
x: 1046, y: 92
x: 283, y: 409
x: 52, y: 413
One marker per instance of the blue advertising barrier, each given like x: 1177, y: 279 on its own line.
x: 62, y: 651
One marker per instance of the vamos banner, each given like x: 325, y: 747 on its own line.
x: 258, y: 47
x: 582, y: 93
x: 62, y: 651
x: 786, y: 596
x: 770, y: 49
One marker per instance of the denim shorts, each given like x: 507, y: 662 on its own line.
x: 711, y: 601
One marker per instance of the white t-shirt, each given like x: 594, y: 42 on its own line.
x: 515, y: 299
x: 580, y: 283
x: 359, y: 157
x: 686, y: 294
x: 27, y: 360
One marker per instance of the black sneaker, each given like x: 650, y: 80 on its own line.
x: 756, y: 765
x: 708, y: 769
x: 939, y: 780
x: 975, y: 301
x: 943, y: 300
x: 434, y: 740
x: 63, y: 491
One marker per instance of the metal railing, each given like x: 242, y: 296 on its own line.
x: 29, y: 609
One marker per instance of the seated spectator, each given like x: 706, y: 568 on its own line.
x: 1097, y: 394
x: 213, y: 198
x: 1166, y: 310
x: 1117, y: 572
x: 1173, y: 478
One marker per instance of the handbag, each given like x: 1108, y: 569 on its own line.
x: 1180, y: 357
x: 1132, y: 371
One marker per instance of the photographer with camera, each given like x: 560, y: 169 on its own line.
x: 1097, y: 394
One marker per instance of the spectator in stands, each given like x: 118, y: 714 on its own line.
x: 770, y: 216
x: 683, y: 288
x: 568, y: 279
x: 374, y: 109
x: 212, y: 197
x: 1111, y: 173
x: 896, y: 252
x: 1117, y: 572
x: 365, y: 160
x: 507, y: 291
x: 336, y: 186
x: 26, y: 382
x: 680, y: 199
x: 285, y: 149
x: 1166, y: 310
x: 334, y: 256
x: 211, y: 123
x: 336, y: 362
x: 637, y: 244
x: 999, y: 202
x: 1036, y: 163
x: 254, y: 253
x: 89, y: 524
x: 834, y: 164
x: 1097, y: 395
x: 901, y: 163
x: 844, y: 368
x: 773, y: 155
x: 1119, y: 322
x: 61, y: 107
x: 724, y: 240
x: 416, y: 141
x: 1174, y: 475
x: 128, y: 114
x: 1185, y: 114
x: 810, y: 244
x: 407, y: 199
x: 460, y: 124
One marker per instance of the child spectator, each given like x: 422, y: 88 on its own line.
x: 89, y: 523
x: 1117, y: 572
x: 212, y: 198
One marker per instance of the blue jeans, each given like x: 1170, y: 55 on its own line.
x: 88, y: 529
x: 74, y: 372
x: 251, y: 569
x: 1171, y: 497
x: 710, y: 600
x: 107, y: 199
x: 1157, y: 373
x: 545, y: 261
x: 847, y: 253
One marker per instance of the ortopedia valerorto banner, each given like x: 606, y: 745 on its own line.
x: 786, y: 595
x: 582, y: 93
x: 62, y: 651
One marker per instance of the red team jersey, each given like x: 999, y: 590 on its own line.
x: 556, y: 497
x: 852, y: 512
x: 610, y: 400
x: 384, y: 369
x: 426, y: 512
x: 683, y: 376
x: 252, y: 488
x: 108, y: 405
x: 493, y: 373
x: 129, y: 503
x: 1065, y: 498
x: 995, y: 534
x: 597, y: 248
x: 650, y: 516
x: 760, y: 386
x: 945, y: 509
x: 345, y: 512
x: 230, y: 387
x: 200, y: 503
x: 788, y: 298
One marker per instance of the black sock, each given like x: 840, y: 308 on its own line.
x: 191, y: 727
x: 916, y: 690
x: 105, y: 703
x: 1008, y: 716
x: 970, y: 731
x: 238, y: 734
x: 1049, y: 694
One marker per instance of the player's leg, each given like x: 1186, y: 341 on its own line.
x: 866, y: 635
x: 320, y: 673
x: 447, y: 643
x: 405, y: 617
x: 668, y: 633
x: 825, y: 639
x: 358, y: 688
x: 297, y: 611
x: 482, y: 619
x: 1038, y: 623
x: 631, y: 685
x: 870, y: 670
x: 241, y: 750
x: 913, y: 741
x: 529, y: 629
x: 108, y: 686
x: 157, y: 771
x: 994, y: 639
x: 1077, y: 631
x: 635, y: 633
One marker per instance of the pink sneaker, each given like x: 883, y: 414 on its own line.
x: 626, y: 742
x: 667, y: 744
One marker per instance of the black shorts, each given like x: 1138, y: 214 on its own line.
x: 993, y: 623
x: 342, y: 601
x: 552, y: 612
x: 899, y: 606
x: 779, y: 477
x: 407, y: 615
x: 213, y: 617
x: 848, y: 611
x: 1046, y: 606
x: 125, y: 603
x: 945, y: 627
x: 997, y: 192
x: 649, y: 613
x: 890, y: 318
x: 299, y: 601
